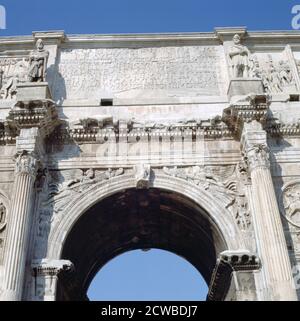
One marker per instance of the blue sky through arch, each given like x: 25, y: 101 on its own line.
x: 151, y: 275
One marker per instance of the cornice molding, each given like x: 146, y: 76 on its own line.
x: 236, y: 115
x: 227, y: 263
x: 55, y: 37
x: 226, y: 33
x: 275, y: 128
x: 39, y: 113
x: 47, y: 267
x: 89, y: 130
x: 218, y: 34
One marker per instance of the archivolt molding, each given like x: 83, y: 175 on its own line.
x: 219, y: 213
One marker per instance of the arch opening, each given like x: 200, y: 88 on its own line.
x: 151, y: 275
x: 138, y: 219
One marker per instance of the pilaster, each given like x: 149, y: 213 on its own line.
x: 248, y: 121
x: 33, y: 118
x: 18, y: 225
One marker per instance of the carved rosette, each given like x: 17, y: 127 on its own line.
x: 26, y: 163
x: 257, y: 156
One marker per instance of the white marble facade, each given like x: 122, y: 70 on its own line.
x: 212, y: 118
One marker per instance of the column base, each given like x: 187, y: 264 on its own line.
x: 284, y: 291
x: 9, y: 295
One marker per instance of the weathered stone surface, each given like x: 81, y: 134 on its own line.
x: 186, y: 142
x: 31, y: 91
x: 242, y: 87
x: 171, y: 71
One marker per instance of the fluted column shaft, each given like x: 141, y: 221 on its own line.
x: 17, y: 236
x: 268, y: 226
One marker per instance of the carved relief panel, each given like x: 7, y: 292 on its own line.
x: 291, y: 202
x: 276, y: 69
x: 291, y: 211
x: 20, y: 67
x: 13, y: 70
x: 276, y: 72
x: 3, y: 224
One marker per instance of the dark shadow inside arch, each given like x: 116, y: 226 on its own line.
x: 138, y: 219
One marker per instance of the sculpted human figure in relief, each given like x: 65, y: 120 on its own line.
x: 239, y: 56
x: 2, y: 217
x: 15, y: 72
x: 38, y: 63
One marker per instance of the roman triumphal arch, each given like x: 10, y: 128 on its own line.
x: 182, y: 142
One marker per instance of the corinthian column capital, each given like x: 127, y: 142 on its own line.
x: 254, y: 146
x: 257, y: 155
x: 47, y: 267
x: 26, y: 163
x: 46, y: 273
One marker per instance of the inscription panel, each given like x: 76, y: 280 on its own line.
x: 124, y: 72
